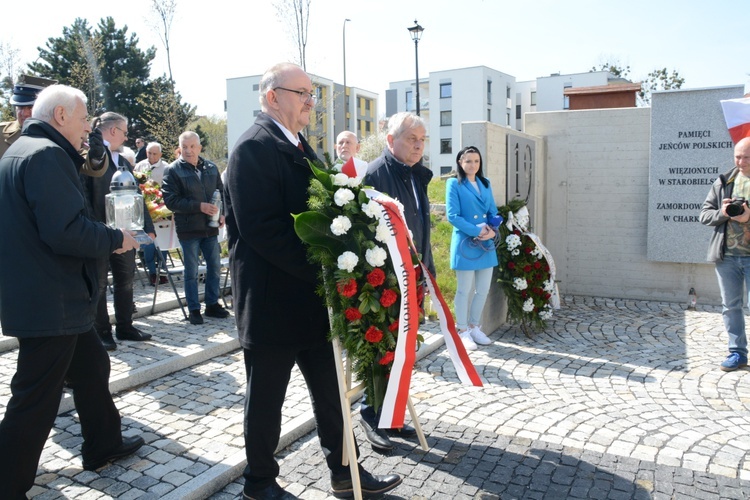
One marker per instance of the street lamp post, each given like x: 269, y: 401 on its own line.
x: 346, y: 98
x: 416, y: 33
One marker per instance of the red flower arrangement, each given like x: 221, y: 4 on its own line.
x: 153, y: 197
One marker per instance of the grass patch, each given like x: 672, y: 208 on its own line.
x: 441, y: 243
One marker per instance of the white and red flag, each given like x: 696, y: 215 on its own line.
x: 737, y: 116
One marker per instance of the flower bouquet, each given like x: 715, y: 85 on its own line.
x: 153, y: 197
x: 526, y: 270
x: 346, y: 236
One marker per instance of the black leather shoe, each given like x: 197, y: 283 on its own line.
x: 129, y: 446
x: 131, y: 333
x: 195, y: 317
x: 377, y: 437
x: 372, y: 486
x: 406, y: 431
x: 216, y: 311
x: 107, y: 341
x: 272, y: 492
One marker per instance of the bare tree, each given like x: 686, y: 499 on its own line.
x: 8, y: 69
x: 165, y: 10
x: 295, y: 16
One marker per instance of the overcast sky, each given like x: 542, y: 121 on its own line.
x: 707, y: 42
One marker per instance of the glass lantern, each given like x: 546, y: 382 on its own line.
x: 124, y: 205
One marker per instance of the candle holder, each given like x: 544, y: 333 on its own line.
x: 124, y: 205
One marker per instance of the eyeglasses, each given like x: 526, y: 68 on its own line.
x: 124, y: 132
x: 304, y: 96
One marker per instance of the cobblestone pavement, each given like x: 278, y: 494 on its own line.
x: 616, y: 399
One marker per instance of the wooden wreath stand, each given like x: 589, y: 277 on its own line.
x: 346, y: 394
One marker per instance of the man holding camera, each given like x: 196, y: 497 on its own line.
x: 726, y: 209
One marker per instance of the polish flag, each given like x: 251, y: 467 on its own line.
x: 737, y: 116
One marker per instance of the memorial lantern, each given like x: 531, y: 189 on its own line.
x: 124, y: 205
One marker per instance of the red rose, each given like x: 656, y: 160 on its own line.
x: 524, y: 294
x: 352, y: 314
x: 528, y: 250
x: 376, y: 277
x: 387, y: 358
x: 348, y: 288
x: 546, y: 269
x: 388, y: 298
x: 511, y: 265
x: 526, y: 268
x: 373, y: 335
x: 393, y: 326
x: 547, y: 296
x: 537, y: 265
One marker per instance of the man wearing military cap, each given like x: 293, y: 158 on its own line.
x: 24, y: 95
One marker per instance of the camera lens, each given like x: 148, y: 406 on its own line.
x: 735, y: 208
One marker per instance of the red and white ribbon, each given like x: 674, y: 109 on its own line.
x: 399, y: 245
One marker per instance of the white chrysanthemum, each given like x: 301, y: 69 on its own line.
x: 515, y: 252
x: 376, y: 256
x: 513, y: 241
x: 340, y: 179
x: 548, y: 285
x: 343, y: 196
x: 354, y: 181
x: 528, y: 305
x: 546, y: 314
x: 520, y: 284
x: 382, y: 233
x: 536, y: 253
x: 371, y: 209
x: 347, y: 261
x: 341, y: 225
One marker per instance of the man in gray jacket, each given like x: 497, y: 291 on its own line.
x: 48, y: 293
x: 727, y: 211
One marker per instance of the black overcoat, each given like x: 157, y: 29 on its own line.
x: 273, y: 284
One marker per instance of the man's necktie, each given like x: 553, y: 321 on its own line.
x: 300, y: 146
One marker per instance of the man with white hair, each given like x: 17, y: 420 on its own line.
x: 48, y: 295
x: 347, y: 147
x: 399, y: 173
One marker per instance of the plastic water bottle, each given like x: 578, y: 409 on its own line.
x: 213, y: 220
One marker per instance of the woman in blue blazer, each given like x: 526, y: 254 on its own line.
x: 470, y: 205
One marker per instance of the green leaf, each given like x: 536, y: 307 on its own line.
x: 314, y: 229
x: 323, y: 176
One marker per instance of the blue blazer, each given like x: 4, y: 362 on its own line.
x: 467, y: 210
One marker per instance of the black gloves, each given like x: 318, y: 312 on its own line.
x: 96, y: 145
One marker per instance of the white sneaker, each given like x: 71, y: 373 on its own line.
x: 469, y: 344
x: 478, y: 336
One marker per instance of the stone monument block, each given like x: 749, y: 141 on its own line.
x: 690, y: 147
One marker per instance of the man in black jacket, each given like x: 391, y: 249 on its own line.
x: 188, y: 187
x: 113, y: 127
x: 48, y: 293
x: 280, y: 319
x: 399, y: 173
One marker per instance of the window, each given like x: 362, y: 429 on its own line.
x: 489, y: 115
x: 367, y: 105
x: 489, y: 91
x: 566, y: 102
x: 368, y: 127
x: 507, y: 92
x: 409, y: 100
x: 445, y: 90
x: 518, y: 111
x: 446, y: 146
x: 445, y: 170
x: 446, y: 118
x: 533, y: 97
x: 507, y: 119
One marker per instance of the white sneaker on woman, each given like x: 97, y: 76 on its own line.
x: 478, y: 336
x: 469, y: 344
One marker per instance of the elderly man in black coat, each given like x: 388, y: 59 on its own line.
x: 280, y: 319
x: 48, y: 293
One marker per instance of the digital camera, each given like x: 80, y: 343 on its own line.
x: 736, y: 207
